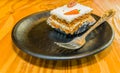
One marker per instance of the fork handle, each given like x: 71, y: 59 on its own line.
x: 105, y: 16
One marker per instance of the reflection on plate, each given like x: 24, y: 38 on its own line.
x: 35, y: 37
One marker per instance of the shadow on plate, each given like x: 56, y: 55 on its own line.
x: 62, y: 64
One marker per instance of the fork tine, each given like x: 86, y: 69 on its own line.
x: 65, y: 45
x: 68, y: 45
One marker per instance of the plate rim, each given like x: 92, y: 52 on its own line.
x: 56, y: 57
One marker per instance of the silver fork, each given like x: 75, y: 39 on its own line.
x: 78, y: 42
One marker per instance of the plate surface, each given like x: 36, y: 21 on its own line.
x: 34, y: 36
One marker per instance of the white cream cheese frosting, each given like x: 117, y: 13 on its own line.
x: 59, y: 12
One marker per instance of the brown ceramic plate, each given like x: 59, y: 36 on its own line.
x: 33, y: 36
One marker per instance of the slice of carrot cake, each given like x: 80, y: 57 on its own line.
x: 70, y: 19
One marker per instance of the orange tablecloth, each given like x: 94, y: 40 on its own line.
x: 13, y: 60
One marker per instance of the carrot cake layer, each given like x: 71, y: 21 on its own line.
x: 73, y: 27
